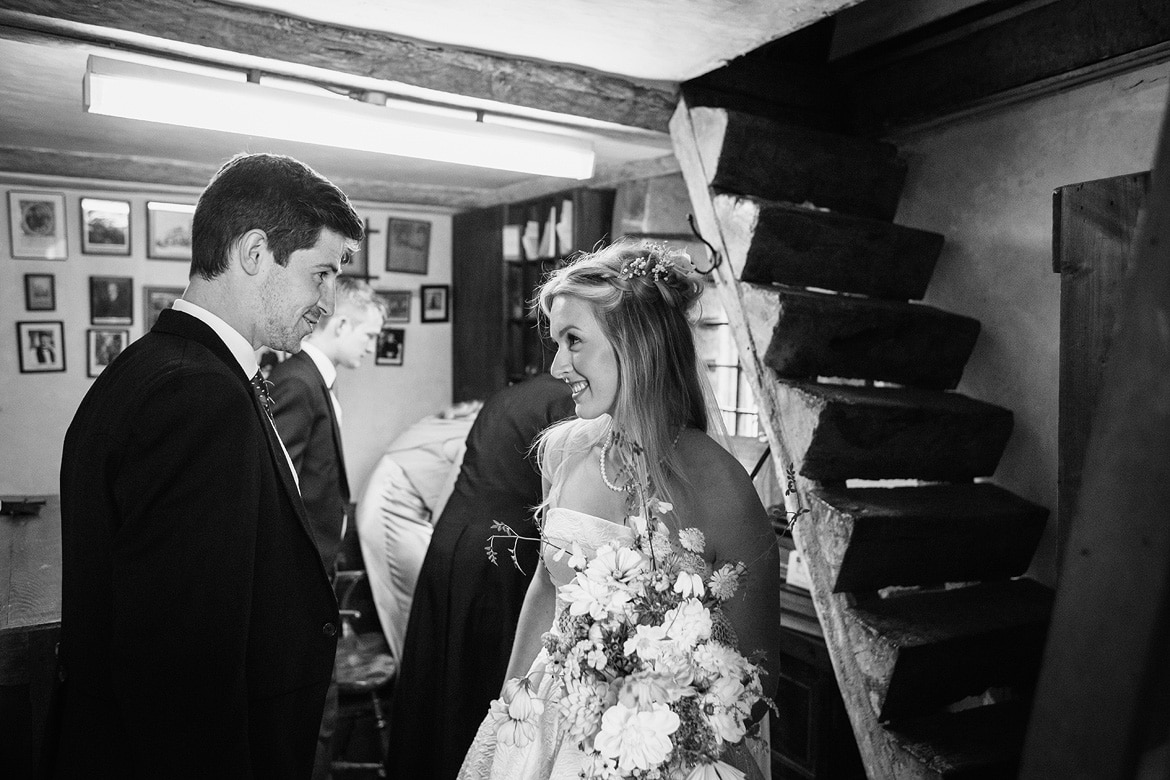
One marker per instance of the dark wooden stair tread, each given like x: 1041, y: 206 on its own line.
x: 926, y: 649
x: 818, y: 334
x: 778, y: 243
x: 840, y: 432
x: 926, y: 535
x: 752, y: 155
x: 980, y: 743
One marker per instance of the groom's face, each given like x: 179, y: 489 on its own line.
x: 296, y: 295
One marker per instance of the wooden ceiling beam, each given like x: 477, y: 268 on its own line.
x: 260, y: 33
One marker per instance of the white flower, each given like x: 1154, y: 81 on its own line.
x: 721, y: 707
x: 660, y: 580
x: 664, y: 507
x: 717, y: 660
x: 516, y: 713
x: 688, y: 623
x: 596, y: 658
x: 638, y: 739
x: 689, y: 585
x: 641, y: 690
x: 598, y: 767
x: 646, y: 642
x: 716, y: 771
x: 616, y: 565
x: 692, y: 539
x: 581, y: 708
x: 587, y: 596
x: 725, y: 581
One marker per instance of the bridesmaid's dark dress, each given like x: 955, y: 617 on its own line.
x: 465, y: 607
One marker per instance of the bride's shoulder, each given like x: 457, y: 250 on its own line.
x: 561, y: 440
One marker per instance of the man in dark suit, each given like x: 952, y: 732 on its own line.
x: 308, y: 413
x: 308, y: 418
x: 198, y: 624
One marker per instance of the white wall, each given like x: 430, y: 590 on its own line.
x: 985, y: 182
x: 35, y: 409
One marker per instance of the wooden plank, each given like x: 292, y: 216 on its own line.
x: 924, y: 535
x: 774, y: 243
x: 928, y: 649
x: 824, y: 335
x: 1044, y: 43
x: 30, y: 546
x: 1101, y: 703
x: 750, y: 155
x: 979, y: 743
x: 846, y: 432
x: 1094, y: 232
x: 359, y: 52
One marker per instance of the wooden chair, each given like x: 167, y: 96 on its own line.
x: 364, y: 667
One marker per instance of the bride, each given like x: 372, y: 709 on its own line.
x: 619, y: 318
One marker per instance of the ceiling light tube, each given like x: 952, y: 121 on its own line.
x: 133, y: 91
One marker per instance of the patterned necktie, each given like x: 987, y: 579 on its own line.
x: 260, y: 385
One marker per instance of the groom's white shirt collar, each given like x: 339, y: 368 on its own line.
x: 239, y: 346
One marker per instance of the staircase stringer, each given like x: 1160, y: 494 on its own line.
x: 883, y: 756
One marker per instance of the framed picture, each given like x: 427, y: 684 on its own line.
x: 396, y: 304
x: 105, y: 227
x: 42, y: 346
x: 102, y: 346
x: 391, y: 345
x: 40, y: 292
x: 436, y: 303
x: 111, y: 300
x: 408, y: 245
x: 154, y: 300
x: 36, y: 225
x: 168, y: 230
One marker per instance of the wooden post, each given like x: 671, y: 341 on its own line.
x: 1101, y: 704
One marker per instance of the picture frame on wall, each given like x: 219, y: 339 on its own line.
x: 154, y: 300
x: 36, y: 225
x: 168, y: 230
x: 105, y: 226
x: 436, y: 303
x: 408, y: 245
x: 111, y: 300
x: 396, y: 304
x: 391, y: 347
x: 40, y: 292
x: 102, y: 345
x: 41, y: 346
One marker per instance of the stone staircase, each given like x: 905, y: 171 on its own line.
x: 934, y: 635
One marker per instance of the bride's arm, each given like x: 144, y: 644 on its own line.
x: 536, y: 617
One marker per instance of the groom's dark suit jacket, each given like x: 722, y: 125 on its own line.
x: 308, y: 425
x: 198, y: 622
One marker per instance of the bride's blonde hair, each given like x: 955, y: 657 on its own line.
x: 642, y: 294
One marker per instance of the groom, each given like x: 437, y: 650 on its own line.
x: 198, y: 624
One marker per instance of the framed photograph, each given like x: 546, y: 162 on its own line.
x: 111, y: 300
x: 105, y: 227
x: 36, y: 225
x: 42, y: 346
x: 391, y: 345
x: 396, y: 303
x: 408, y: 245
x: 102, y: 346
x: 154, y: 300
x: 168, y: 230
x: 40, y: 292
x: 436, y: 302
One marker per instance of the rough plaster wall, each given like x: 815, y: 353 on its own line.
x: 985, y: 182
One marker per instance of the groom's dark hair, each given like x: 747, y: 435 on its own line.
x: 285, y: 198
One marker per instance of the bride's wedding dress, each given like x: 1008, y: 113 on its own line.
x: 547, y: 756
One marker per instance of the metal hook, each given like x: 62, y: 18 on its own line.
x: 714, y: 252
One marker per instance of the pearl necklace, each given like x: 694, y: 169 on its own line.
x: 629, y: 486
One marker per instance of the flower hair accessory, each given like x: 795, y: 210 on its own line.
x: 658, y: 263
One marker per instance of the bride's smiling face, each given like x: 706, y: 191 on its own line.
x: 585, y: 357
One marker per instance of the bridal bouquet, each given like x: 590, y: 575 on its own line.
x: 653, y: 686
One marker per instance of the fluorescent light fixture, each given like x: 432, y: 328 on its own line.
x: 134, y: 91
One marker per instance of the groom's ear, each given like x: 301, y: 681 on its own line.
x: 250, y: 250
